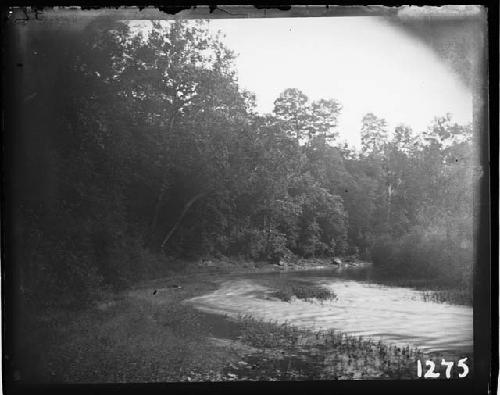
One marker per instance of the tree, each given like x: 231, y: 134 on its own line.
x: 373, y: 134
x: 403, y: 138
x: 304, y: 120
x: 293, y: 110
x: 178, y: 73
x: 325, y: 114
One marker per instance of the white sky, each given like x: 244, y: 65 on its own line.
x: 365, y: 63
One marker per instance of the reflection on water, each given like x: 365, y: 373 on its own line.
x: 392, y: 314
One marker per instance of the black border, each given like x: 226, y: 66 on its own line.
x: 486, y: 276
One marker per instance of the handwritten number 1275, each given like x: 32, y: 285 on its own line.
x: 431, y: 374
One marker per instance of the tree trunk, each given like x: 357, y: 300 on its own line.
x: 156, y: 214
x: 389, y: 201
x: 161, y: 194
x: 179, y: 220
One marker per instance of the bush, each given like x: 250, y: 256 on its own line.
x: 418, y: 255
x: 260, y: 245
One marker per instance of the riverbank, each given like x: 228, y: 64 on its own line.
x: 146, y: 334
x: 238, y: 266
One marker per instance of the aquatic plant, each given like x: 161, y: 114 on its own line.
x: 286, y: 290
x: 286, y: 352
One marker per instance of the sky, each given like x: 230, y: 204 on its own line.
x: 365, y: 63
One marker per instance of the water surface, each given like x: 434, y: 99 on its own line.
x: 392, y: 314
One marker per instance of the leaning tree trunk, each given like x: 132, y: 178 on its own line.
x: 163, y: 188
x: 179, y: 220
x: 154, y: 219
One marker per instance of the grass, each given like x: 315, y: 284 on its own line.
x: 433, y: 290
x: 138, y: 337
x: 453, y: 296
x: 287, y: 289
x: 288, y: 353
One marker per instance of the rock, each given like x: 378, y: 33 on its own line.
x: 207, y: 263
x: 336, y: 261
x: 105, y: 305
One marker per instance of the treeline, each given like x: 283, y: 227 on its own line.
x: 133, y: 147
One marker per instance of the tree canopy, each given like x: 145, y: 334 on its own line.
x: 141, y: 146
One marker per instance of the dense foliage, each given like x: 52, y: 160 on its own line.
x: 134, y: 147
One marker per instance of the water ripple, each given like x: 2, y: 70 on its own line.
x: 392, y: 314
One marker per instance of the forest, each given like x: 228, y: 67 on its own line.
x: 135, y: 151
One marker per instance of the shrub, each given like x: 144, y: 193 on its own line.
x: 419, y: 255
